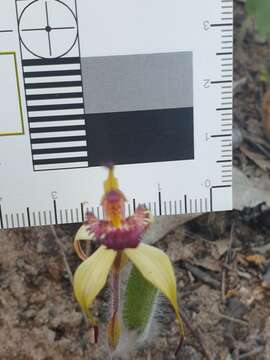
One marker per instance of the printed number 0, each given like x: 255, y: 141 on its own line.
x: 54, y: 195
x: 207, y: 183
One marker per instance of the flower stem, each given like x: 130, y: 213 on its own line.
x: 115, y: 292
x: 114, y: 325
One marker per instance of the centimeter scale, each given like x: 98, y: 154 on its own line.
x: 146, y: 86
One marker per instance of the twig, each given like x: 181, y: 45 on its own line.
x: 228, y: 259
x: 62, y: 252
x: 238, y: 84
x: 65, y: 261
x: 197, y: 335
x: 229, y: 318
x: 203, y: 276
x: 252, y: 353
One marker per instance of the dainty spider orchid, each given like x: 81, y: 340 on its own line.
x: 119, y: 239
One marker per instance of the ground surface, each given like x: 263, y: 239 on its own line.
x: 222, y: 263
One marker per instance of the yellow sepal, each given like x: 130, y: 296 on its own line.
x: 82, y: 234
x: 155, y: 266
x: 90, y: 277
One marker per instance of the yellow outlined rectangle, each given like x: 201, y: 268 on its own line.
x: 21, y: 131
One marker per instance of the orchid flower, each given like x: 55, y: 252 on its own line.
x: 119, y: 241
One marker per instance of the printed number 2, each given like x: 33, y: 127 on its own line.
x: 206, y: 83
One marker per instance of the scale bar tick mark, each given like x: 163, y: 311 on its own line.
x: 159, y: 203
x: 221, y: 24
x: 28, y: 216
x: 221, y: 135
x: 82, y: 212
x: 1, y: 218
x: 221, y: 82
x: 55, y: 212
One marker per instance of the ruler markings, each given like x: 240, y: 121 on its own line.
x: 165, y: 208
x: 50, y: 217
x: 18, y: 219
x: 55, y: 211
x: 34, y: 218
x: 185, y: 201
x: 61, y: 216
x: 224, y: 53
x: 159, y: 203
x: 221, y: 24
x: 77, y: 215
x: 7, y: 221
x: 221, y: 109
x: 45, y: 217
x: 66, y: 216
x: 170, y: 206
x: 82, y: 213
x: 1, y: 218
x: 221, y: 135
x: 221, y: 82
x: 72, y: 215
x: 134, y: 204
x: 23, y: 220
x: 28, y: 216
x: 39, y: 218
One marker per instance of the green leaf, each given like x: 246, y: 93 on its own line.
x: 261, y: 10
x: 139, y: 301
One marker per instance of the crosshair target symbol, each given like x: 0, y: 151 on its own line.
x: 48, y: 28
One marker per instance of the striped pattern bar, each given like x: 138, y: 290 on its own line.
x: 56, y: 116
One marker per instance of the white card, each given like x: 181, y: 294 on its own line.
x: 146, y: 86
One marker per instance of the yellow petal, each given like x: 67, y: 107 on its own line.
x: 82, y: 234
x: 90, y: 277
x: 155, y: 266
